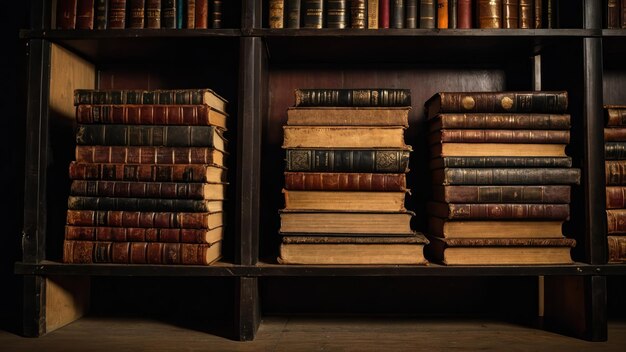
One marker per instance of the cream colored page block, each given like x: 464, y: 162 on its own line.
x: 67, y: 72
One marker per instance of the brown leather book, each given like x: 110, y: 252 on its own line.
x: 130, y: 234
x: 526, y: 18
x: 202, y: 14
x: 524, y: 121
x: 615, y: 134
x: 144, y: 114
x: 616, y: 221
x: 91, y: 252
x: 277, y: 13
x: 616, y: 249
x: 137, y: 9
x: 464, y: 14
x: 153, y: 14
x: 538, y: 14
x: 216, y: 14
x: 190, y: 14
x: 347, y: 160
x: 489, y: 13
x: 344, y: 201
x: 148, y: 155
x: 176, y: 190
x: 503, y: 211
x: 146, y: 204
x: 147, y: 172
x: 313, y: 13
x: 354, y: 116
x: 499, y: 136
x: 349, y: 223
x: 506, y: 176
x: 84, y: 14
x: 499, y: 161
x: 615, y: 197
x: 145, y: 219
x: 615, y: 115
x: 502, y: 194
x: 390, y: 137
x: 442, y: 14
x: 512, y: 12
x: 358, y: 14
x: 66, y: 14
x: 615, y: 172
x: 525, y: 228
x: 329, y: 181
x: 117, y: 14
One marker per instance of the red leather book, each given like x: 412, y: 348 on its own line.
x: 148, y: 155
x: 615, y: 197
x: 66, y: 14
x: 464, y: 13
x: 131, y: 234
x: 147, y: 172
x: 137, y: 9
x: 616, y: 249
x: 153, y: 14
x: 328, y: 181
x: 85, y: 14
x: 616, y: 221
x: 202, y: 14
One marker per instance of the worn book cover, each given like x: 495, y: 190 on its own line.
x: 141, y: 189
x: 344, y: 116
x: 143, y: 234
x: 503, y: 121
x: 494, y: 228
x: 506, y: 176
x: 499, y: 136
x: 389, y: 137
x: 487, y: 211
x: 500, y: 162
x: 460, y: 149
x: 145, y: 219
x: 149, y: 155
x: 344, y: 201
x: 502, y: 194
x: 352, y: 97
x: 337, y: 181
x: 145, y: 204
x: 347, y: 160
x: 320, y: 222
x: 616, y: 249
x: 147, y: 172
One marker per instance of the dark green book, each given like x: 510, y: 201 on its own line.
x: 500, y: 161
x: 342, y: 160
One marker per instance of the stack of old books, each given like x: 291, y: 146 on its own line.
x: 148, y: 182
x: 345, y: 182
x: 501, y: 178
x: 615, y: 169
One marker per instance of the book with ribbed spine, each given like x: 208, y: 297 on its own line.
x: 292, y: 13
x: 615, y: 150
x: 500, y: 162
x: 117, y: 14
x: 168, y: 13
x: 153, y: 14
x: 140, y: 189
x: 615, y: 197
x: 202, y: 14
x: 352, y: 97
x: 499, y: 136
x: 332, y: 181
x: 277, y: 13
x: 506, y: 176
x: 358, y: 14
x: 148, y: 155
x: 502, y: 194
x: 346, y: 160
x: 616, y: 221
x: 211, y: 173
x: 190, y: 14
x: 313, y: 12
x: 101, y: 14
x: 145, y: 204
x: 489, y: 13
x: 500, y: 121
x: 411, y: 14
x: 538, y: 14
x: 66, y: 14
x: 615, y: 172
x: 337, y: 14
x: 136, y: 16
x: 132, y: 234
x: 616, y: 246
x: 216, y: 14
x: 615, y: 115
x: 445, y: 228
x: 615, y: 134
x: 145, y: 219
x: 452, y: 14
x: 502, y: 211
x: 397, y: 14
x: 514, y: 13
x: 85, y: 14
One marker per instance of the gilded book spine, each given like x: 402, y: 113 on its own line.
x: 452, y: 14
x: 190, y: 14
x: 442, y: 14
x: 525, y: 176
x: 216, y: 14
x: 292, y: 13
x: 411, y: 14
x: 510, y: 102
x: 168, y: 14
x: 514, y: 11
x: 526, y: 19
x: 324, y: 160
x: 398, y: 13
x: 313, y: 13
x: 145, y: 155
x: 464, y: 14
x: 501, y: 161
x: 528, y: 121
x: 502, y: 194
x: 615, y: 197
x: 489, y: 13
x: 143, y: 114
x: 143, y: 219
x: 615, y: 117
x: 153, y: 14
x: 358, y: 14
x: 615, y: 172
x: 615, y: 150
x: 101, y: 14
x: 178, y: 190
x: 617, y: 249
x: 549, y: 14
x: 353, y: 97
x: 132, y: 234
x: 140, y: 172
x: 117, y: 14
x: 337, y: 14
x: 277, y: 13
x: 616, y: 221
x: 136, y: 204
x: 500, y: 136
x: 133, y: 96
x: 623, y: 14
x: 320, y: 181
x: 372, y: 14
x: 501, y: 211
x: 137, y: 11
x: 428, y: 13
x: 85, y: 14
x: 147, y: 135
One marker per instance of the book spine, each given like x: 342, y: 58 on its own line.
x: 526, y: 19
x: 292, y: 13
x: 143, y: 155
x: 452, y: 13
x: 514, y: 12
x: 216, y: 14
x: 168, y: 13
x: 538, y: 14
x: 508, y: 242
x: 615, y: 117
x: 358, y: 14
x: 337, y: 14
x: 201, y: 17
x: 615, y: 172
x: 135, y: 204
x: 133, y: 234
x: 623, y: 14
x: 146, y: 135
x: 501, y: 136
x: 442, y: 14
x: 549, y: 14
x: 372, y: 14
x: 143, y: 114
x: 384, y: 13
x: 397, y: 14
x: 511, y: 102
x: 138, y: 172
x: 503, y: 121
x: 508, y: 211
x: 464, y: 13
x: 616, y: 249
x: 498, y: 161
x: 313, y: 13
x: 277, y: 13
x: 85, y: 14
x: 324, y: 160
x: 190, y: 11
x: 309, y: 181
x: 66, y: 14
x: 101, y: 14
x: 137, y: 219
x: 117, y: 14
x: 411, y: 14
x: 353, y: 97
x: 523, y: 176
x: 137, y: 11
x: 615, y: 197
x: 616, y: 221
x: 503, y: 194
x: 615, y: 150
x: 181, y: 13
x: 615, y: 134
x: 153, y: 14
x: 99, y: 188
x: 489, y: 13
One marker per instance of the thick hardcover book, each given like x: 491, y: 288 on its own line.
x: 190, y: 14
x: 616, y: 221
x: 397, y: 14
x: 147, y: 172
x: 329, y: 181
x: 554, y: 102
x: 292, y: 13
x: 525, y: 121
x: 616, y: 249
x: 353, y: 97
x: 150, y: 115
x: 538, y: 14
x: 615, y: 197
x: 385, y: 13
x: 344, y: 116
x: 615, y: 172
x: 66, y: 14
x: 277, y: 13
x: 464, y: 14
x: 428, y: 13
x: 344, y: 201
x: 142, y: 204
x: 202, y: 14
x: 145, y: 219
x: 502, y: 194
x: 85, y: 14
x: 494, y: 229
x: 153, y: 97
x: 168, y: 13
x: 117, y: 14
x: 89, y: 252
x: 442, y: 14
x: 337, y: 14
x: 499, y: 136
x: 148, y: 155
x: 515, y: 13
x: 615, y: 150
x: 615, y: 134
x: 153, y: 14
x: 372, y: 14
x: 358, y: 14
x: 615, y: 115
x: 323, y: 250
x: 353, y: 223
x: 134, y: 234
x: 508, y: 176
x: 502, y: 211
x: 216, y: 14
x: 175, y: 190
x: 313, y: 12
x: 136, y: 16
x: 500, y: 251
x: 500, y: 161
x: 151, y: 135
x: 389, y: 137
x: 346, y: 160
x: 443, y: 150
x: 453, y: 13
x: 489, y: 13
x: 526, y: 18
x: 411, y: 14
x: 101, y: 14
x: 180, y: 13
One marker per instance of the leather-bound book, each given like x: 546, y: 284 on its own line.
x: 506, y: 176
x: 148, y: 155
x: 352, y: 97
x: 354, y: 116
x: 147, y: 219
x: 398, y: 13
x: 513, y: 11
x: 500, y: 161
x: 66, y: 14
x: 344, y: 201
x: 358, y: 14
x: 292, y: 13
x: 143, y: 234
x: 277, y: 13
x: 353, y: 223
x: 117, y: 14
x: 141, y: 189
x: 216, y: 14
x: 337, y: 14
x: 522, y: 121
x: 145, y: 204
x: 384, y: 11
x: 615, y: 172
x: 453, y: 13
x: 502, y: 194
x: 137, y: 9
x: 538, y: 14
x: 153, y: 14
x: 489, y: 13
x: 349, y: 137
x: 616, y: 221
x: 442, y: 14
x: 445, y: 228
x: 168, y: 13
x: 331, y: 181
x: 526, y: 18
x: 202, y: 14
x: 615, y: 134
x: 373, y: 14
x: 411, y: 13
x: 428, y: 13
x: 499, y: 136
x: 313, y: 11
x: 347, y: 160
x: 615, y: 115
x: 615, y: 197
x: 85, y: 14
x: 464, y: 14
x: 615, y: 150
x: 616, y: 246
x: 190, y: 14
x: 502, y: 211
x: 147, y: 172
x: 101, y: 14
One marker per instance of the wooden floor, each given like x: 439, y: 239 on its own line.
x: 311, y: 334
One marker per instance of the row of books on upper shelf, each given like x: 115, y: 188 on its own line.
x: 615, y: 181
x: 615, y: 14
x: 138, y: 14
x: 443, y: 14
